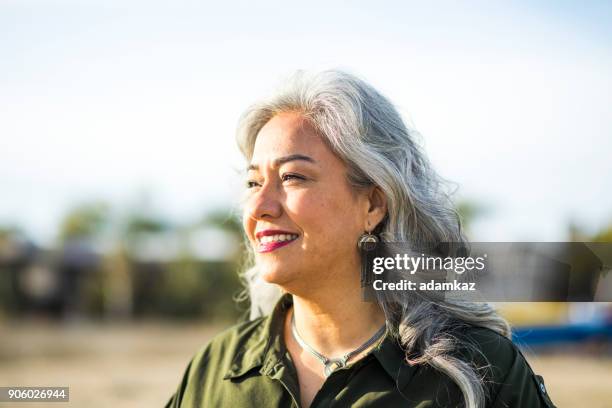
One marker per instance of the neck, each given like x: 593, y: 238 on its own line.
x: 335, y: 324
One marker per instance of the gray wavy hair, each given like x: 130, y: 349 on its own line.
x: 366, y: 131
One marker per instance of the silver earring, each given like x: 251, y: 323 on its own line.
x: 367, y: 242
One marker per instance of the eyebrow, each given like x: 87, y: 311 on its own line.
x: 285, y: 159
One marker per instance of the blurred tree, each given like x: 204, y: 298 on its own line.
x: 224, y: 219
x: 15, y: 252
x: 84, y: 221
x: 137, y: 223
x: 79, y: 262
x: 223, y: 282
x: 135, y: 285
x: 579, y: 234
x: 468, y: 212
x: 604, y: 235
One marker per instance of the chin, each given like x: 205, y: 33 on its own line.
x: 281, y: 274
x: 276, y: 276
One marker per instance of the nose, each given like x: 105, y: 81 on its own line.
x: 264, y: 203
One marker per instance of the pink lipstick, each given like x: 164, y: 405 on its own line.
x: 269, y: 240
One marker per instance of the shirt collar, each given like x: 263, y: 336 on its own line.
x: 266, y: 348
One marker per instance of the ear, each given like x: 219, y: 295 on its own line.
x: 377, y: 208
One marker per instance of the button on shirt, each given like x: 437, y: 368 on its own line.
x: 248, y: 365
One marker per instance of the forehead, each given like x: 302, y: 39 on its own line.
x: 289, y: 133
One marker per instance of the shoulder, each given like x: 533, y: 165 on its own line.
x: 509, y: 379
x: 203, y: 375
x: 487, y: 347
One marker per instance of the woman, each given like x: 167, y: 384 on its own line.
x: 329, y: 159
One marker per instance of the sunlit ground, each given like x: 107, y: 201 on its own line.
x: 140, y: 365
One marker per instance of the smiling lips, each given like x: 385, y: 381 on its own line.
x: 269, y: 240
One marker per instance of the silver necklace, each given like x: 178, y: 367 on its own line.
x: 333, y: 364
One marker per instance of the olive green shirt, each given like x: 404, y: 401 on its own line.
x: 248, y: 365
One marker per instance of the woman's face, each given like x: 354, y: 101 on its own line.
x: 301, y: 216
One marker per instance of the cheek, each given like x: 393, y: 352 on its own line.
x: 248, y: 225
x: 328, y: 218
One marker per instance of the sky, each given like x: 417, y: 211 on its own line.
x: 115, y: 100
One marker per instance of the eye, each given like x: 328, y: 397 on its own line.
x: 291, y: 176
x: 251, y: 184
